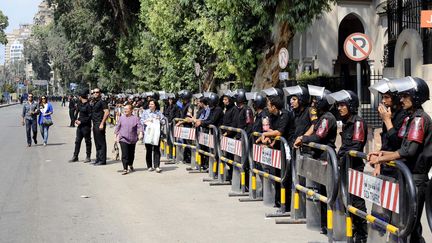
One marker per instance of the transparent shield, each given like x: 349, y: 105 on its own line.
x: 338, y: 96
x: 403, y: 84
x: 317, y: 91
x: 381, y: 86
x: 270, y: 92
x: 251, y: 95
x: 293, y: 90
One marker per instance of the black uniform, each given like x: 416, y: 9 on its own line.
x: 416, y: 149
x: 391, y: 140
x: 72, y: 111
x: 257, y: 125
x: 187, y: 112
x: 99, y: 134
x: 354, y: 137
x: 244, y: 118
x: 284, y: 123
x: 215, y: 118
x: 324, y: 132
x: 84, y: 128
x: 304, y: 119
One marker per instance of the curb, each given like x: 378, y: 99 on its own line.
x: 6, y: 105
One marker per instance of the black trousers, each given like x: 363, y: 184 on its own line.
x: 83, y: 132
x: 152, y: 155
x: 100, y: 143
x: 420, y: 181
x: 31, y: 125
x: 72, y: 116
x: 360, y: 225
x: 128, y: 154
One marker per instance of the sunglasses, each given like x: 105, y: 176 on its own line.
x: 96, y: 92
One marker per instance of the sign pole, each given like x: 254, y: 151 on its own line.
x: 359, y: 86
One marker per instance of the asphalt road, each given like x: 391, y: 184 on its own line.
x: 41, y: 198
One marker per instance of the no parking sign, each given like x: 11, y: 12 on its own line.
x: 357, y: 47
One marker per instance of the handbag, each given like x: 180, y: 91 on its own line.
x: 47, y: 122
x: 152, y: 133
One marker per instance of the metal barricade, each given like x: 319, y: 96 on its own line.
x: 179, y: 136
x: 317, y: 172
x: 399, y: 197
x: 165, y: 142
x: 428, y: 204
x: 239, y: 149
x: 263, y: 183
x: 209, y: 141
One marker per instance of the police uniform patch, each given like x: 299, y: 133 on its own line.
x: 416, y: 130
x: 322, y: 129
x: 359, y: 133
x: 403, y: 128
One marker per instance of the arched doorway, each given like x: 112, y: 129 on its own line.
x: 346, y: 68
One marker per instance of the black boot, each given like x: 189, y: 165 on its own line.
x: 74, y: 159
x: 87, y: 159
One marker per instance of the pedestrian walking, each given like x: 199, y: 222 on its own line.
x: 45, y: 119
x: 100, y: 113
x: 127, y: 131
x: 29, y: 119
x: 84, y: 127
x: 150, y: 121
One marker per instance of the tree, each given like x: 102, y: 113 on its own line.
x: 4, y: 23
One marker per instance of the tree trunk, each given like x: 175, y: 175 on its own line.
x: 267, y: 74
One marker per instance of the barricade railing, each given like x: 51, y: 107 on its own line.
x: 238, y: 151
x: 397, y: 196
x: 265, y: 161
x: 428, y: 205
x: 179, y: 137
x: 207, y: 144
x: 316, y: 171
x: 165, y: 142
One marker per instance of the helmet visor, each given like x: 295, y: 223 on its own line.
x: 229, y: 93
x: 402, y: 84
x: 270, y: 92
x: 316, y: 91
x: 207, y: 94
x: 381, y: 86
x: 197, y: 96
x: 293, y: 90
x: 338, y: 96
x: 251, y: 95
x: 163, y: 96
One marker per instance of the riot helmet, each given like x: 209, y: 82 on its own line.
x: 320, y: 93
x: 417, y: 88
x: 300, y: 92
x: 345, y: 96
x: 240, y: 96
x: 258, y: 100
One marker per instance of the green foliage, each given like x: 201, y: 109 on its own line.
x: 154, y: 44
x: 3, y: 25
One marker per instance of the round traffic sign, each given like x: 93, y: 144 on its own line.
x: 357, y: 47
x: 283, y: 57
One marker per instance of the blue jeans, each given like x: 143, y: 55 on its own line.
x: 44, y: 132
x: 31, y: 125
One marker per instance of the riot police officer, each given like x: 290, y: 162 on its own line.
x: 244, y: 117
x: 186, y: 113
x: 394, y: 118
x: 324, y: 132
x: 281, y: 124
x: 354, y: 137
x: 305, y: 116
x: 416, y: 148
x: 259, y: 104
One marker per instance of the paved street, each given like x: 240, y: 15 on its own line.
x: 40, y: 198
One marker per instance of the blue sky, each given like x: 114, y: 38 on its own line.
x: 18, y: 12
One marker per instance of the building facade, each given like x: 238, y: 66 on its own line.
x: 400, y: 47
